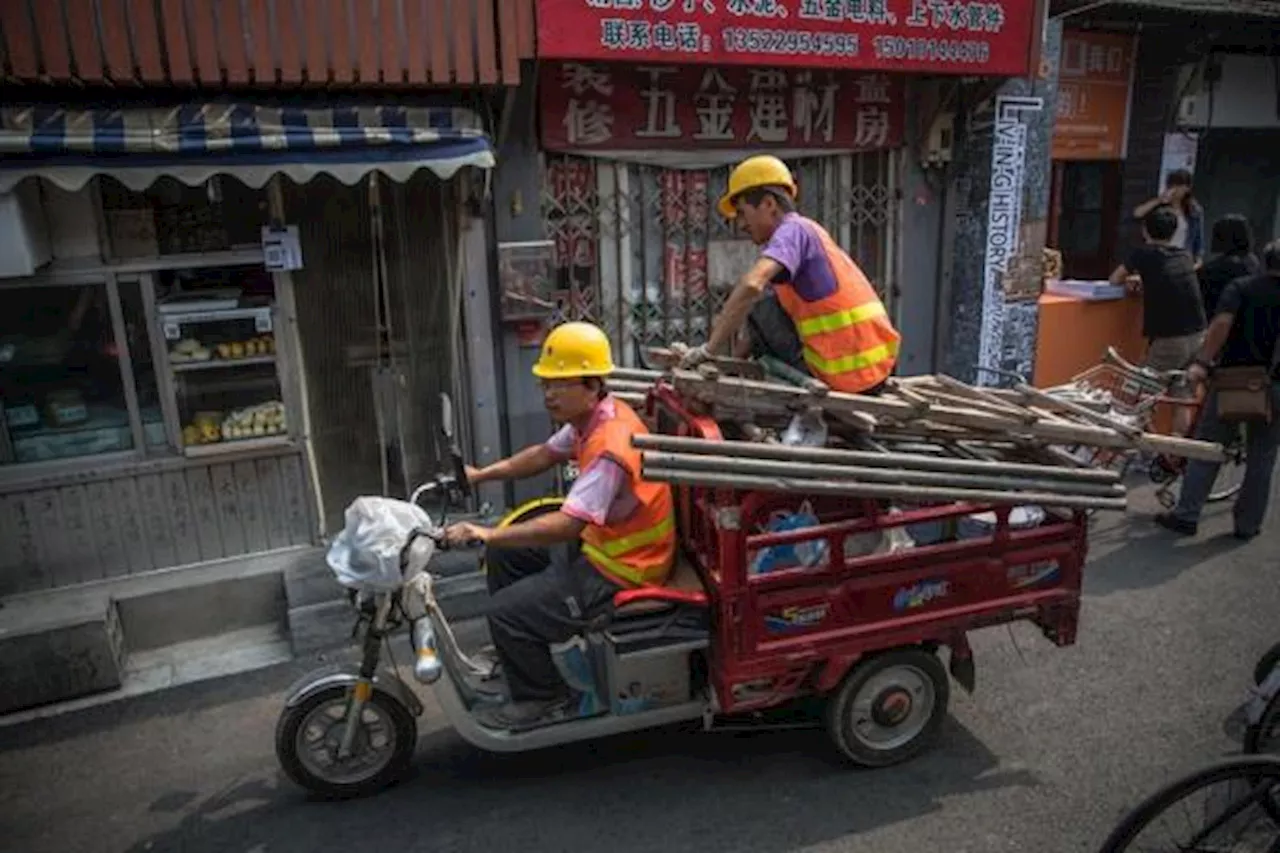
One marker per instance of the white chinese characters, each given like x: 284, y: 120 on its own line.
x: 588, y: 119
x: 660, y: 106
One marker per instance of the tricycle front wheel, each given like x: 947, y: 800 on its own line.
x: 308, y: 736
x: 889, y: 707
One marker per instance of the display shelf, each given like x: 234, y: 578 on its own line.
x: 239, y: 444
x: 216, y: 363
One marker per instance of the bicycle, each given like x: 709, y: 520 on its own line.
x: 1247, y: 818
x: 1262, y: 735
x: 1136, y: 396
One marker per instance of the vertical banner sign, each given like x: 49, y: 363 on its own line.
x: 1004, y: 219
x: 969, y: 37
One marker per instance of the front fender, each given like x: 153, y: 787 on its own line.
x: 339, y: 675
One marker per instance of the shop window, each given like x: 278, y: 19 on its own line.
x: 172, y: 218
x: 62, y: 391
x: 218, y: 328
x: 1086, y: 208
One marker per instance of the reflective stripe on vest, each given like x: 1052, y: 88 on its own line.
x: 849, y: 363
x: 840, y: 319
x: 607, y: 553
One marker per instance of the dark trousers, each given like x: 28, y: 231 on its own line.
x: 1263, y: 441
x: 540, y: 596
x: 772, y: 332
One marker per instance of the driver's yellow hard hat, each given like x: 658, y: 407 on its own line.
x: 575, y: 351
x: 763, y: 170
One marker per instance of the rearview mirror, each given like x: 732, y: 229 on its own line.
x: 446, y: 416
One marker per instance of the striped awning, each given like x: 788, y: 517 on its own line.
x: 193, y: 143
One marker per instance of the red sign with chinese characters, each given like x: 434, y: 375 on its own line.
x: 634, y: 107
x: 971, y: 37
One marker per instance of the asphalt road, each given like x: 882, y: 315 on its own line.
x: 1049, y: 752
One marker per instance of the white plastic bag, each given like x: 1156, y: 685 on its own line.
x: 366, y: 554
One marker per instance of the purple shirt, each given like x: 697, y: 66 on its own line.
x: 601, y: 494
x: 795, y: 245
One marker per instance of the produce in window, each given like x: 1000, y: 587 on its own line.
x: 205, y: 428
x: 255, y: 422
x: 189, y: 349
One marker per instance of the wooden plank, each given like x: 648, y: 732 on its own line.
x: 226, y: 498
x: 115, y: 40
x: 438, y: 40
x: 20, y: 40
x: 486, y: 42
x: 235, y: 58
x: 77, y: 534
x: 156, y: 520
x: 508, y: 35
x: 51, y: 549
x: 392, y: 58
x: 262, y: 64
x: 19, y: 563
x: 186, y: 539
x: 204, y: 511
x: 146, y: 41
x: 365, y: 37
x: 341, y: 68
x: 86, y: 49
x: 295, y: 62
x: 1053, y: 403
x: 174, y: 15
x: 273, y: 502
x: 251, y: 506
x: 103, y: 516
x: 528, y: 34
x: 293, y: 483
x: 416, y: 33
x: 133, y: 531
x: 462, y: 35
x: 52, y: 35
x: 205, y: 35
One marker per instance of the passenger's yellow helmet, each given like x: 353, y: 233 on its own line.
x: 574, y: 351
x: 764, y: 170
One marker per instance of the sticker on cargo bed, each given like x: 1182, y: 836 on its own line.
x: 796, y: 618
x: 920, y: 594
x: 1033, y: 573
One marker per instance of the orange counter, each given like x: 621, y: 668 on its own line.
x: 1073, y: 335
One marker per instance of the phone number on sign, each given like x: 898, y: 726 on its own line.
x: 942, y: 50
x: 789, y: 42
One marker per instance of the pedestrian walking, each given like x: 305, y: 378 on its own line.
x: 1243, y: 335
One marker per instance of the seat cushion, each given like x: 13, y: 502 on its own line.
x: 684, y: 578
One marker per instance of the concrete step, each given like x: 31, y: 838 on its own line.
x: 145, y: 672
x: 64, y: 643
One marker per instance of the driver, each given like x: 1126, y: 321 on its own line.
x: 619, y: 529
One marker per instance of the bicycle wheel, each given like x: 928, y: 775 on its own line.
x: 1231, y: 474
x: 1233, y: 805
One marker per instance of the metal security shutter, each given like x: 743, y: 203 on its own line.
x: 377, y: 330
x: 641, y: 250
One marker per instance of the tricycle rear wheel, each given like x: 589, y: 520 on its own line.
x: 889, y: 707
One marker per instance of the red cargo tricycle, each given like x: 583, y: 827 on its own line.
x: 861, y: 630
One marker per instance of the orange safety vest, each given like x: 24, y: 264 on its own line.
x: 640, y: 550
x: 849, y: 341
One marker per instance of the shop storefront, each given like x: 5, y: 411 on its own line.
x: 643, y: 110
x: 218, y: 324
x: 1089, y: 147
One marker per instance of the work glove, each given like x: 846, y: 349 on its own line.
x: 691, y: 357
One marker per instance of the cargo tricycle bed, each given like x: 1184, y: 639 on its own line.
x: 852, y: 599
